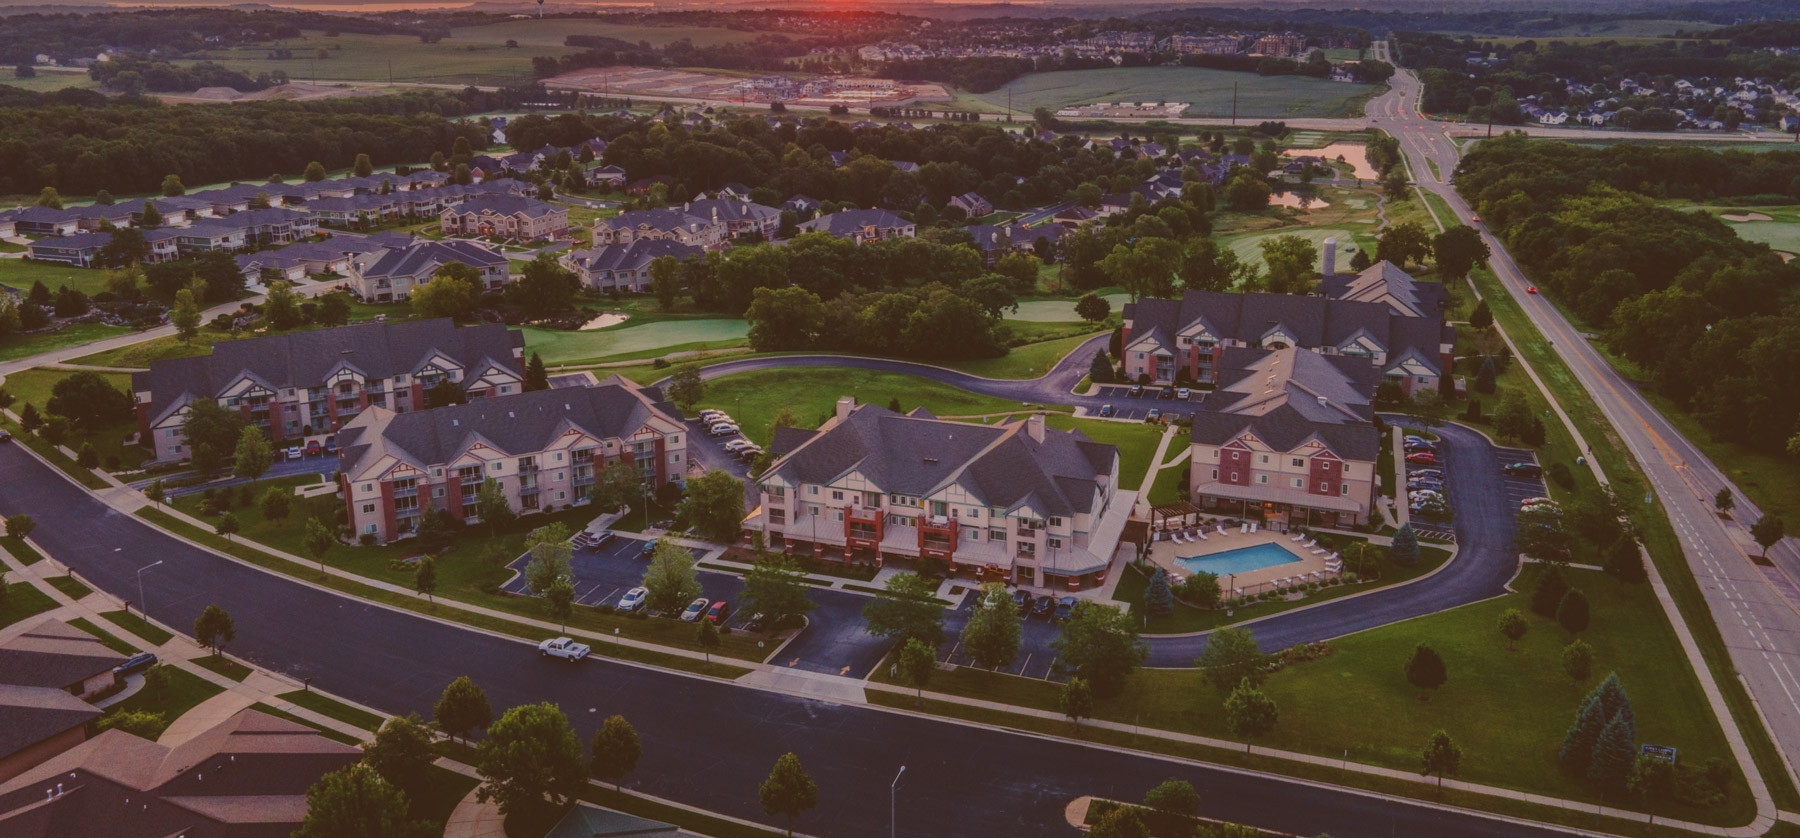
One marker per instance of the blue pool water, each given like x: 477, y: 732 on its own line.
x: 1241, y: 560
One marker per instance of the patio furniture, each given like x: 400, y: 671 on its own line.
x: 1244, y: 529
x: 1254, y: 526
x: 1223, y: 531
x: 1299, y: 536
x: 1200, y: 534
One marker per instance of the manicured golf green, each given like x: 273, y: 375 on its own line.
x: 1059, y: 311
x: 600, y: 344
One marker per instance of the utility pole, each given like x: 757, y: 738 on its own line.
x: 1234, y: 88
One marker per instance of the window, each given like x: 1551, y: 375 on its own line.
x: 1140, y: 356
x: 1056, y: 522
x: 1299, y: 483
x: 368, y: 487
x: 1324, y: 487
x: 1054, y: 543
x: 559, y: 456
x: 812, y: 490
x: 172, y: 433
x: 837, y: 495
x: 1263, y: 479
x: 505, y: 388
x: 437, y: 492
x: 1215, y: 474
x: 561, y: 495
x: 674, y: 458
x: 369, y: 529
x: 1344, y: 489
x: 974, y: 513
x: 1299, y: 462
x: 675, y: 440
x: 1265, y: 459
x: 1234, y: 455
x: 368, y: 507
x: 497, y: 466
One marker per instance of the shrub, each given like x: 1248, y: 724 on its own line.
x: 366, y: 539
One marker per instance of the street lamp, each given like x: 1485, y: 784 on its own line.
x: 144, y: 604
x: 893, y: 810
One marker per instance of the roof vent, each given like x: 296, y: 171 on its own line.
x: 1323, y: 401
x: 455, y: 423
x: 509, y: 414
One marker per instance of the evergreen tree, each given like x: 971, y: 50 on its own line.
x: 1572, y: 612
x: 1405, y: 549
x: 1484, y: 380
x: 1612, y: 695
x: 1481, y: 317
x: 1548, y: 592
x: 1578, y: 742
x: 536, y: 377
x: 1425, y: 669
x: 1624, y: 561
x: 1100, y: 369
x: 1613, y: 755
x: 1157, y: 597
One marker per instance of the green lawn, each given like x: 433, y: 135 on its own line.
x: 158, y: 349
x: 25, y: 553
x: 33, y: 386
x: 107, y: 638
x: 1208, y: 92
x: 753, y: 398
x: 23, y: 600
x: 25, y: 346
x: 184, y: 692
x: 1060, y: 311
x: 222, y: 665
x: 1168, y: 487
x: 400, y: 58
x: 21, y: 273
x: 550, y: 33
x: 137, y: 625
x: 332, y: 709
x: 1136, y: 442
x: 1029, y: 361
x: 620, y: 342
x: 47, y: 81
x: 443, y: 789
x: 69, y: 586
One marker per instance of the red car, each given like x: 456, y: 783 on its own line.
x: 313, y: 449
x: 1531, y: 289
x: 1422, y: 459
x: 718, y: 613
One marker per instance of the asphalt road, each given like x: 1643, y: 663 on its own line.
x: 960, y: 780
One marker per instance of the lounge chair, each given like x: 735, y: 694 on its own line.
x: 1255, y: 526
x: 1223, y: 531
x: 1318, y: 551
x: 1200, y: 534
x: 1176, y: 537
x: 1299, y: 536
x: 1244, y: 529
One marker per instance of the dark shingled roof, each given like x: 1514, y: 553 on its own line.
x: 999, y: 465
x: 1287, y: 396
x: 54, y: 654
x: 851, y: 221
x: 1313, y: 322
x: 632, y: 255
x: 504, y: 205
x: 29, y: 715
x: 302, y: 359
x: 1384, y: 278
x: 418, y: 258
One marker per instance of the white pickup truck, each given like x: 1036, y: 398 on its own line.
x: 563, y: 647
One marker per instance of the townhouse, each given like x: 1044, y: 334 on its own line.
x: 44, y: 221
x: 81, y: 249
x: 671, y: 224
x: 741, y: 217
x: 307, y: 384
x: 506, y: 216
x: 544, y: 449
x: 1017, y: 502
x: 390, y: 274
x: 1287, y: 436
x: 1169, y: 341
x: 862, y: 225
x: 624, y: 267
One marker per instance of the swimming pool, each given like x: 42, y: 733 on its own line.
x: 1241, y: 560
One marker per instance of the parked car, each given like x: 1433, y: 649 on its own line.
x: 1433, y: 485
x: 734, y: 445
x: 1137, y: 390
x: 563, y: 647
x: 1538, y: 502
x: 136, y: 663
x: 710, y: 415
x: 719, y: 613
x: 1167, y: 393
x: 295, y: 452
x: 695, y: 609
x: 1422, y: 458
x: 1423, y: 495
x: 1414, y: 438
x: 648, y: 548
x: 1183, y: 393
x: 1419, y: 445
x: 1531, y: 289
x: 1154, y: 414
x: 749, y: 453
x: 1523, y: 469
x: 5, y: 436
x: 1022, y: 601
x: 1107, y: 410
x: 1427, y: 472
x: 1065, y: 609
x: 633, y: 599
x: 1043, y: 606
x: 723, y: 429
x: 313, y: 448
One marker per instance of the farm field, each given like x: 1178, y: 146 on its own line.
x: 1207, y: 91
x: 550, y: 33
x: 558, y: 347
x: 46, y: 81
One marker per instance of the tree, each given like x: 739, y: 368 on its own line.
x: 86, y: 456
x: 1404, y: 243
x: 536, y: 377
x: 1484, y: 379
x: 788, y: 791
x: 275, y: 503
x: 214, y: 628
x: 665, y: 281
x: 1093, y: 308
x: 492, y: 506
x: 155, y: 492
x: 776, y: 588
x: 171, y: 186
x: 1514, y: 625
x: 1578, y: 743
x: 1481, y: 317
x: 20, y: 526
x: 1404, y: 551
x: 446, y: 295
x: 706, y: 636
x: 1572, y: 611
x: 253, y: 454
x: 544, y: 288
x: 1249, y: 712
x: 1100, y: 644
x: 334, y: 309
x: 1614, y: 753
x: 1512, y: 419
x: 685, y: 387
x: 402, y: 752
x: 49, y: 198
x: 1100, y: 370
x: 530, y: 755
x: 55, y: 430
x: 463, y: 707
x: 1441, y: 756
x: 1077, y: 700
x: 211, y: 431
x: 1624, y: 561
x: 1247, y: 192
x: 992, y: 636
x: 30, y: 419
x: 1119, y: 822
x: 550, y: 553
x: 784, y: 318
x: 670, y: 578
x: 355, y: 802
x: 362, y: 167
x: 906, y: 609
x: 1231, y: 657
x: 914, y: 662
x: 1724, y: 502
x: 281, y: 307
x: 1158, y: 600
x: 714, y: 505
x: 318, y: 541
x: 1578, y: 660
x: 1652, y: 781
x: 89, y: 401
x: 227, y: 526
x: 1425, y: 669
x: 185, y: 315
x: 1768, y: 530
x: 559, y: 599
x: 1175, y: 797
x: 425, y: 577
x: 614, y: 750
x: 1548, y: 592
x: 1459, y: 250
x: 1291, y: 261
x: 315, y: 172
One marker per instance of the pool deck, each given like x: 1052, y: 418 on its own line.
x: 1311, y: 566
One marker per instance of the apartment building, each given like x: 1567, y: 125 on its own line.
x: 624, y: 267
x: 543, y: 448
x: 1280, y: 45
x: 863, y: 225
x: 665, y: 224
x: 390, y: 274
x: 307, y: 384
x: 506, y: 216
x: 1287, y: 437
x: 1166, y: 341
x: 1016, y: 502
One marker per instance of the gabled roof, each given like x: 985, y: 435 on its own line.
x: 427, y: 256
x: 29, y: 715
x: 1312, y: 321
x: 504, y: 205
x: 632, y: 255
x: 54, y: 654
x: 662, y: 220
x: 1384, y: 282
x: 1286, y: 397
x: 848, y: 222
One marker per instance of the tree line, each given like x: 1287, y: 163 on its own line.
x: 167, y: 31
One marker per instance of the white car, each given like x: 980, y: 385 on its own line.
x: 633, y: 599
x: 695, y: 609
x: 1182, y: 393
x: 563, y: 647
x: 711, y: 416
x: 295, y: 452
x: 737, y: 445
x: 723, y: 429
x: 1538, y: 502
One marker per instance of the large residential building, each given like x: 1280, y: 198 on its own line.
x: 624, y: 267
x: 506, y: 216
x: 1384, y: 282
x: 1288, y: 437
x: 246, y: 777
x: 1016, y: 502
x: 544, y: 448
x: 391, y: 274
x: 665, y: 224
x: 863, y: 225
x: 310, y: 383
x: 1166, y: 341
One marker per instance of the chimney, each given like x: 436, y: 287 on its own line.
x: 1034, y: 425
x: 845, y: 404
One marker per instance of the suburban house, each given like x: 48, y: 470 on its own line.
x: 543, y: 448
x: 506, y: 216
x: 212, y: 234
x: 992, y: 241
x: 1015, y: 502
x: 625, y: 267
x: 1166, y: 341
x: 740, y: 216
x: 307, y: 384
x: 802, y: 205
x: 1287, y: 436
x: 79, y: 250
x: 972, y: 204
x: 59, y: 656
x: 44, y: 221
x: 668, y: 223
x: 305, y: 259
x: 609, y: 174
x: 390, y: 274
x: 863, y: 225
x: 246, y: 776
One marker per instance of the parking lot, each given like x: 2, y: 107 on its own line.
x: 1127, y: 406
x: 1035, y: 657
x: 604, y: 574
x: 1518, y: 488
x: 1426, y: 525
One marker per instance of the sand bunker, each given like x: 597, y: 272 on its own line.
x: 611, y: 318
x: 1740, y: 219
x: 1292, y: 199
